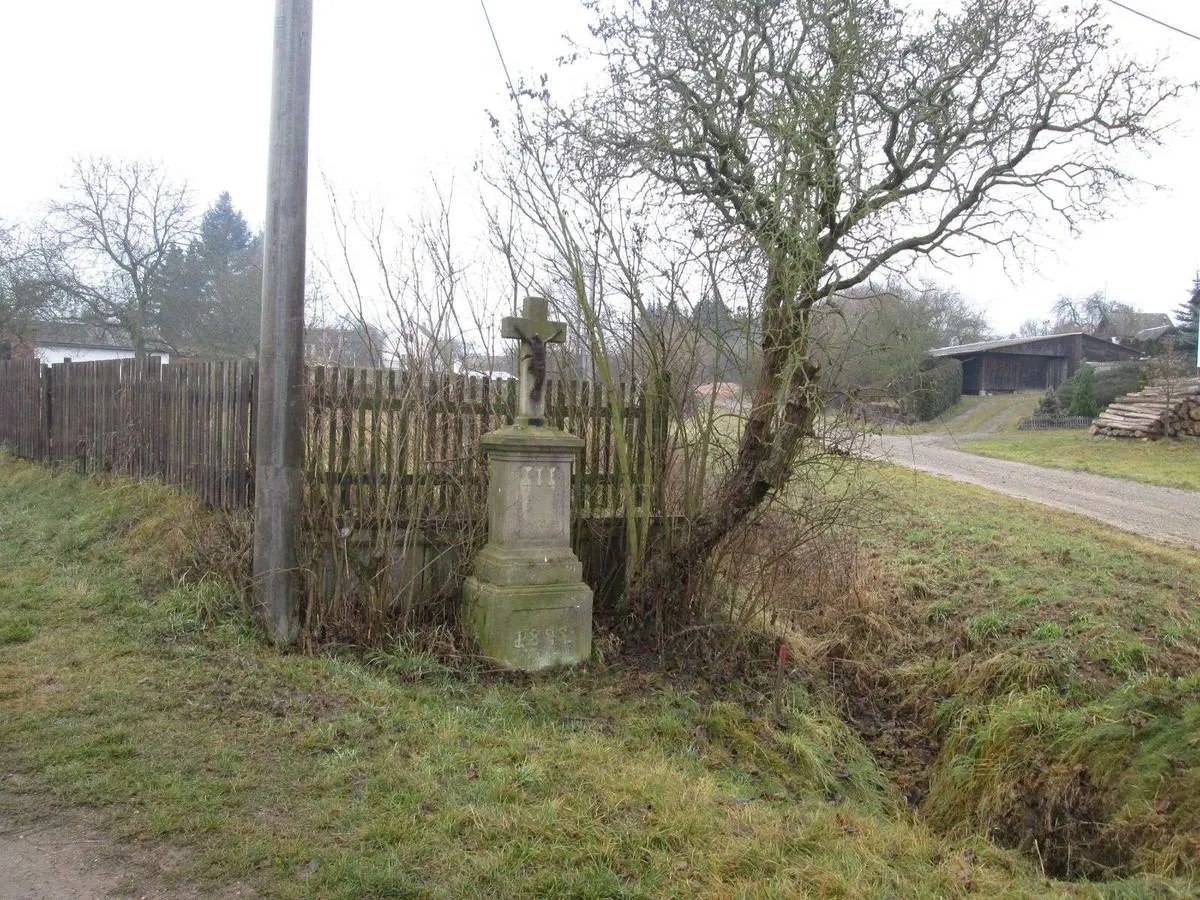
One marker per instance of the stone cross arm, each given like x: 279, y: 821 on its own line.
x: 534, y: 323
x: 534, y: 330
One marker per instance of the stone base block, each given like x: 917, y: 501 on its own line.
x: 541, y: 566
x: 530, y: 627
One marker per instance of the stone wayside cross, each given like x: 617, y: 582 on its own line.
x: 536, y: 332
x: 526, y: 601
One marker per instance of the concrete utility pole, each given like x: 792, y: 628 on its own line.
x: 279, y: 437
x: 1195, y: 304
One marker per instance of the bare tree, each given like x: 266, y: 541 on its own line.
x: 1034, y: 328
x: 23, y: 297
x: 105, y: 247
x: 1089, y: 314
x: 834, y: 140
x: 880, y: 335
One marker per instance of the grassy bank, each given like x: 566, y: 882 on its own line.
x: 971, y: 414
x: 392, y: 776
x: 1053, y: 667
x: 1174, y: 463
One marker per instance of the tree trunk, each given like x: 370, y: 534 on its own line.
x: 137, y: 339
x: 666, y: 585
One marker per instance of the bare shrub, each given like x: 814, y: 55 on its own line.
x: 395, y: 507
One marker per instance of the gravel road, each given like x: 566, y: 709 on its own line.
x: 1163, y: 513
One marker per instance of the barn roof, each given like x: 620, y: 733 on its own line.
x: 1015, y: 345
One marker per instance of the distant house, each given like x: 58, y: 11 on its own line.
x: 1030, y: 364
x: 486, y: 365
x: 489, y: 376
x: 1127, y: 326
x: 57, y: 342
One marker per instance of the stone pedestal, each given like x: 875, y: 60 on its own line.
x: 526, y: 601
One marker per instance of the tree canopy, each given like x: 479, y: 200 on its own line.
x: 1187, y: 317
x: 878, y: 337
x: 212, y: 290
x: 828, y: 142
x: 23, y: 297
x: 105, y: 247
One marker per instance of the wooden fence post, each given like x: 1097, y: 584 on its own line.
x: 46, y: 428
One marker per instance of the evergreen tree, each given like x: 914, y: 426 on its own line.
x: 1083, y: 399
x: 213, y: 294
x: 1185, y: 316
x: 224, y: 234
x: 721, y: 341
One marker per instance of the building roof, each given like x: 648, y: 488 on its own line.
x: 1002, y: 344
x: 1153, y: 334
x: 83, y: 335
x: 1013, y: 345
x: 1122, y: 323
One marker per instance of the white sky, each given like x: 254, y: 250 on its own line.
x: 399, y: 94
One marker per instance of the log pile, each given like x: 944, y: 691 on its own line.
x: 1163, y: 410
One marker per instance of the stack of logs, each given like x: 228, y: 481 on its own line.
x: 1163, y: 410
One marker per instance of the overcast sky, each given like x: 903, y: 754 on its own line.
x: 400, y: 91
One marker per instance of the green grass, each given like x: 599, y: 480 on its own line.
x: 393, y: 776
x: 999, y: 412
x: 1048, y: 656
x: 1055, y: 662
x: 1175, y: 463
x: 978, y: 566
x: 1110, y: 776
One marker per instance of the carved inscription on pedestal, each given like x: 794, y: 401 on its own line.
x: 548, y: 639
x: 546, y: 634
x: 536, y: 477
x: 540, y: 508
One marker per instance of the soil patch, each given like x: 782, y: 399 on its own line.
x: 52, y: 853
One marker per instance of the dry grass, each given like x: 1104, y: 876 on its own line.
x: 394, y: 775
x: 999, y: 667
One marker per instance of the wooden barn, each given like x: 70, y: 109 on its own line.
x: 1030, y: 364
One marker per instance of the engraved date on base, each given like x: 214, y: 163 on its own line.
x: 547, y: 639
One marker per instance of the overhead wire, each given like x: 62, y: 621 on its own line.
x: 1138, y: 12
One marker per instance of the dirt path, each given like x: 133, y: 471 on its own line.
x: 1162, y: 513
x: 47, y: 853
x: 61, y: 860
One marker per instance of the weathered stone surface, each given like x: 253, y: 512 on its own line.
x: 529, y: 488
x: 531, y: 627
x: 526, y: 601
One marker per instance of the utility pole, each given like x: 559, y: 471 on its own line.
x: 280, y: 416
x: 1195, y: 304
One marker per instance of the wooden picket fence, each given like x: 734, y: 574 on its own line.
x: 24, y: 408
x: 186, y: 423
x: 381, y: 444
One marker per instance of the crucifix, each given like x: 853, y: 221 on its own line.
x: 526, y: 601
x: 534, y: 330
